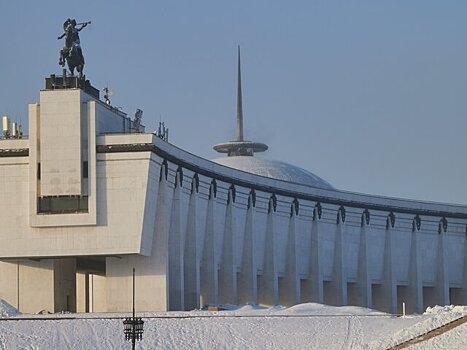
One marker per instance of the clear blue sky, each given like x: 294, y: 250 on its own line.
x: 370, y: 95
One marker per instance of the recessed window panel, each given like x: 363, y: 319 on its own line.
x: 62, y: 204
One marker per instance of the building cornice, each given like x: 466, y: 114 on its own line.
x: 259, y: 183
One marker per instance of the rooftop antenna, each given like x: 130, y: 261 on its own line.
x: 6, y: 126
x: 11, y: 129
x: 20, y: 128
x: 107, y: 95
x: 162, y: 132
x: 240, y: 147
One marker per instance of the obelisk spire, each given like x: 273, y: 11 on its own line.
x: 239, y: 101
x: 240, y: 147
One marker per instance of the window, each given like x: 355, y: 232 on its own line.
x: 62, y: 204
x: 85, y: 169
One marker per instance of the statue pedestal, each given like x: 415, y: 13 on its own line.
x: 58, y: 82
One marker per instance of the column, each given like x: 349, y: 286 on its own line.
x: 389, y: 286
x: 414, y: 302
x: 442, y: 274
x: 247, y: 284
x: 316, y: 276
x: 338, y: 285
x: 363, y: 279
x: 290, y: 294
x: 191, y: 264
x: 209, y: 268
x: 228, y: 267
x: 269, y: 281
x: 176, y: 240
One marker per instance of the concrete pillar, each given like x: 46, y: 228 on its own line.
x: 269, y: 281
x: 209, y: 266
x: 414, y: 302
x: 192, y: 256
x: 228, y: 267
x: 442, y: 273
x: 389, y: 286
x: 97, y: 293
x: 315, y: 282
x: 247, y: 284
x: 338, y: 285
x: 64, y: 284
x: 176, y: 252
x: 363, y: 285
x: 82, y: 304
x: 290, y: 294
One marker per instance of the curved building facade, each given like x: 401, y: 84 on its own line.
x: 85, y: 199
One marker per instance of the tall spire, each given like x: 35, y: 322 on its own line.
x: 239, y: 101
x: 240, y: 147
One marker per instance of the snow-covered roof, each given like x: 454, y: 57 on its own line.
x: 274, y: 169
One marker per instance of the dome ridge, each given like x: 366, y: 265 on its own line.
x: 275, y: 169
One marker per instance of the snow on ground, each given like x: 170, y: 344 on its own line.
x: 304, y: 326
x: 455, y: 339
x: 431, y: 319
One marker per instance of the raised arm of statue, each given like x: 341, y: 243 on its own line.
x: 61, y: 36
x: 82, y: 26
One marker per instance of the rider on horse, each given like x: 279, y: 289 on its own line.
x: 71, y: 38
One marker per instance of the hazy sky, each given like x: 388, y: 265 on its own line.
x: 369, y: 95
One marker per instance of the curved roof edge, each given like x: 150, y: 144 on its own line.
x: 202, y: 166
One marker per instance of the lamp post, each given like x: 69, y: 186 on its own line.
x: 133, y: 326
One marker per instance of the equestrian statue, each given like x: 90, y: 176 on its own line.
x: 71, y: 52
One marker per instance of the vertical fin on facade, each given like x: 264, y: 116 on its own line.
x: 247, y: 288
x: 290, y: 293
x: 228, y: 266
x: 269, y: 281
x: 363, y: 279
x: 338, y: 285
x: 389, y: 288
x: 192, y: 253
x: 415, y: 287
x: 209, y: 266
x: 176, y: 250
x: 316, y: 269
x: 442, y: 273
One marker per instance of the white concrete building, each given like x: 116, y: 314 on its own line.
x: 84, y: 199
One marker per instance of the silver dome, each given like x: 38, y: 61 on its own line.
x: 274, y: 169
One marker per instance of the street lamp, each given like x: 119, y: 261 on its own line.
x: 133, y: 326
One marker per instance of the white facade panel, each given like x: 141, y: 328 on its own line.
x: 190, y: 246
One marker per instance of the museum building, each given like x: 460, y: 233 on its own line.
x: 88, y: 195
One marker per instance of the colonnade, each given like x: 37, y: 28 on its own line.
x: 226, y: 252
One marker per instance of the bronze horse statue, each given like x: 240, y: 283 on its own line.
x: 72, y: 53
x: 75, y: 59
